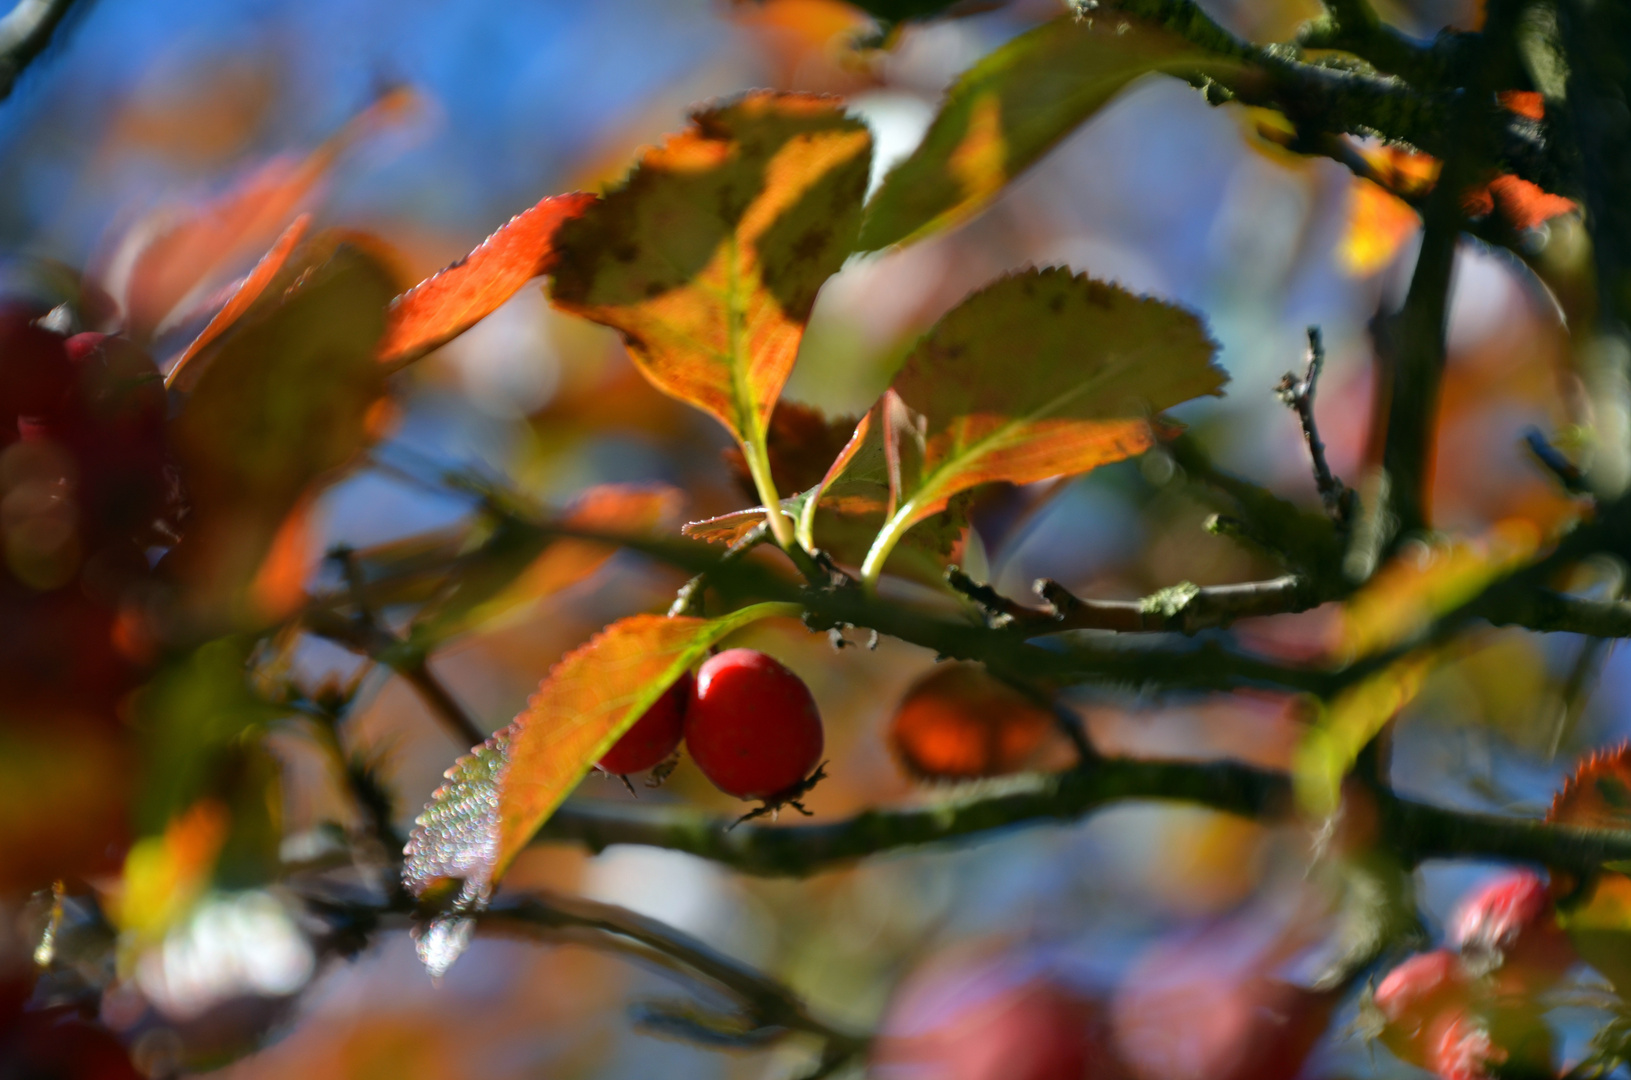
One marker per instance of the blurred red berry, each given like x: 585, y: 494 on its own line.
x: 34, y: 372
x: 1510, y: 925
x: 992, y: 1020
x: 655, y: 735
x: 751, y: 725
x: 1414, y: 994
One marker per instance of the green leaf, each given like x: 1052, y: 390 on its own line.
x: 496, y: 798
x: 709, y: 257
x: 1011, y: 108
x: 283, y: 402
x: 1097, y: 362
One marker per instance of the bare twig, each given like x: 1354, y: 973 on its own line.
x: 1183, y: 609
x: 766, y: 1003
x: 363, y: 633
x: 416, y: 672
x: 1564, y: 471
x: 1299, y: 395
x: 25, y: 32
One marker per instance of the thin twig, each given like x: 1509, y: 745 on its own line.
x: 765, y: 1002
x: 688, y: 601
x: 25, y: 32
x: 1298, y: 394
x: 416, y: 672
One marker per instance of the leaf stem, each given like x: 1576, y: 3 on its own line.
x: 759, y: 467
x: 895, y: 528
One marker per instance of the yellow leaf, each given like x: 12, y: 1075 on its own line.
x: 1011, y: 108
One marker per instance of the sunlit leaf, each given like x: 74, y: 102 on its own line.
x: 450, y: 302
x: 1098, y: 362
x: 1395, y: 608
x: 709, y: 257
x: 243, y: 298
x: 499, y: 795
x: 182, y: 251
x: 1011, y: 108
x: 283, y: 402
x: 959, y: 723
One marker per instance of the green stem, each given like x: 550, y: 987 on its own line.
x: 895, y: 528
x: 759, y: 467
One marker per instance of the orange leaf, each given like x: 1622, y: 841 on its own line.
x: 243, y: 298
x: 283, y: 402
x: 709, y: 257
x: 174, y: 254
x: 448, y: 303
x: 499, y: 795
x: 1097, y: 362
x: 626, y: 509
x: 1598, y: 916
x: 1597, y: 795
x: 1526, y: 103
x: 959, y: 723
x: 1519, y: 203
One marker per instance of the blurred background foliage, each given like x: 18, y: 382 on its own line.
x: 140, y: 106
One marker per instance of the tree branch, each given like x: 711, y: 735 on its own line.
x: 25, y: 32
x: 1299, y: 395
x: 1414, y: 830
x: 765, y: 1002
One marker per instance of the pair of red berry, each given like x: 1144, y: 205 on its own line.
x: 1468, y: 1012
x: 751, y: 725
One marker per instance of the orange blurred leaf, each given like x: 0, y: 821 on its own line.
x: 1011, y: 108
x: 284, y: 401
x: 1098, y: 362
x: 243, y: 298
x: 709, y: 257
x: 499, y: 795
x: 959, y: 723
x: 1526, y: 103
x: 176, y: 253
x: 1519, y: 203
x: 448, y: 303
x: 503, y: 586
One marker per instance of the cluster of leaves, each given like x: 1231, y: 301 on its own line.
x: 708, y: 259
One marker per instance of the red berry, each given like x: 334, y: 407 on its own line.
x: 654, y: 736
x: 1415, y: 994
x: 1510, y: 924
x: 752, y: 726
x: 1460, y: 1048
